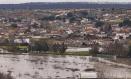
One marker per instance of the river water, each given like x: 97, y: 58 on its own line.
x: 43, y: 67
x: 40, y: 67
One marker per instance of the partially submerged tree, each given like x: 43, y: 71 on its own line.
x: 95, y: 49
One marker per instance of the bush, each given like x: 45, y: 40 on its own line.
x: 40, y: 46
x: 61, y: 48
x: 94, y: 51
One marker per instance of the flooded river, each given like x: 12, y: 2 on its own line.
x: 43, y: 67
x: 40, y: 67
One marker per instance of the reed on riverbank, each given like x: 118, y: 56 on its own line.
x: 5, y: 76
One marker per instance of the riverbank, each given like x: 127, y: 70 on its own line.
x: 66, y: 53
x: 52, y: 53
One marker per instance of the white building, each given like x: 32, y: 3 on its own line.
x: 74, y: 49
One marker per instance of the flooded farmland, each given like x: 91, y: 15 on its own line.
x: 42, y: 67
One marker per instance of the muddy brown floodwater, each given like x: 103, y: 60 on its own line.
x: 42, y: 67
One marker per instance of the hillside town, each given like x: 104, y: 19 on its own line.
x: 104, y: 31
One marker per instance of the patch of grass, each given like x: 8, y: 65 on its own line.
x: 55, y: 53
x: 78, y: 53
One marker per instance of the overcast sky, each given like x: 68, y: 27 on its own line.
x: 24, y: 1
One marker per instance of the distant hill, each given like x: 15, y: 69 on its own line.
x: 64, y: 5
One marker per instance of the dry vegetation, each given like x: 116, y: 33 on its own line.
x: 5, y: 76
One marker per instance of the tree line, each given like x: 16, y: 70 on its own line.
x: 45, y: 47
